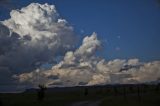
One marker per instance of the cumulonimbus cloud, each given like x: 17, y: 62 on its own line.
x: 36, y: 35
x: 33, y: 36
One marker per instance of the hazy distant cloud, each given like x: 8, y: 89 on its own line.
x: 82, y: 31
x: 4, y: 1
x: 158, y: 2
x: 117, y: 48
x: 9, y: 4
x: 118, y: 37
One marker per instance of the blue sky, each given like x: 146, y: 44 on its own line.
x: 127, y: 28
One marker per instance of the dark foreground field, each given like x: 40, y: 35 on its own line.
x: 119, y: 95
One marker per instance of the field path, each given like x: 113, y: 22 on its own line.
x: 87, y: 103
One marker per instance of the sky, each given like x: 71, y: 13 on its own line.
x: 78, y: 42
x: 127, y: 28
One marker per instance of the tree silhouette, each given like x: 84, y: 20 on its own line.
x: 138, y: 92
x: 115, y: 90
x: 86, y: 92
x: 1, y: 104
x: 157, y: 87
x: 41, y: 92
x: 124, y: 93
x: 131, y: 89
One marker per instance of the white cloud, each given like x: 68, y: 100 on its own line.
x: 36, y: 35
x: 89, y: 46
x: 33, y: 36
x: 79, y: 68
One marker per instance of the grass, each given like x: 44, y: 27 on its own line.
x: 149, y: 99
x: 108, y: 96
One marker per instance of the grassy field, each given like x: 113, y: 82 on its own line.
x: 123, y: 95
